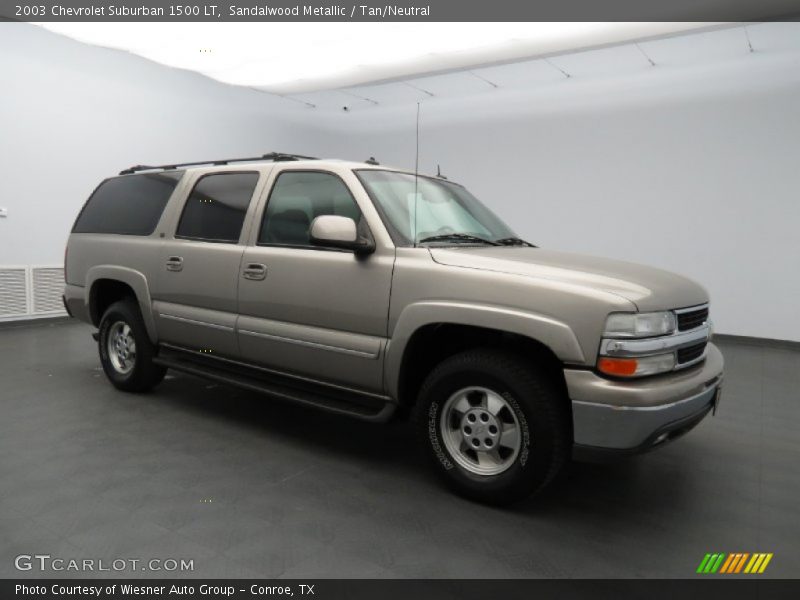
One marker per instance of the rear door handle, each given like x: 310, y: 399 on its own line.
x: 175, y: 263
x: 255, y: 271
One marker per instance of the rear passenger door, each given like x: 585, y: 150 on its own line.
x: 304, y: 309
x: 195, y: 300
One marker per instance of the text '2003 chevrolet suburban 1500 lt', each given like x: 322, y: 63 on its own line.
x: 372, y: 291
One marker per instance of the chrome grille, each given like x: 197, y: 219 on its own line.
x: 691, y: 319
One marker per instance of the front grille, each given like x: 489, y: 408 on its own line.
x: 694, y: 318
x: 691, y: 353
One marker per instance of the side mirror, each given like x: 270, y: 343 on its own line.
x: 339, y: 232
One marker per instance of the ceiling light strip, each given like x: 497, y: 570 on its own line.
x: 491, y: 83
x: 352, y: 95
x: 640, y: 49
x: 300, y: 100
x: 556, y: 67
x: 419, y: 89
x: 747, y: 37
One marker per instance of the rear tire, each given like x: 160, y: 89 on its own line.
x: 126, y: 351
x: 494, y: 426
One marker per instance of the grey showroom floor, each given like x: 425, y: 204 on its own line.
x: 248, y: 487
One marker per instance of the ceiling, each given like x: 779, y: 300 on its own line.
x: 304, y: 57
x: 672, y: 53
x: 358, y: 66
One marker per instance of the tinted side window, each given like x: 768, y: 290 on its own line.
x: 129, y: 205
x: 215, y: 209
x: 296, y: 199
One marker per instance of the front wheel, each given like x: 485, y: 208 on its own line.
x: 493, y: 425
x: 126, y: 352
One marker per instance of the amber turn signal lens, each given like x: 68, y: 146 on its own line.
x: 621, y: 367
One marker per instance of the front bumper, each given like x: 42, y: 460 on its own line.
x: 633, y: 416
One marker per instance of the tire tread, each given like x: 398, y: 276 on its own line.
x: 146, y: 374
x: 531, y: 378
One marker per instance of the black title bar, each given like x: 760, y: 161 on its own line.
x: 399, y: 10
x: 730, y: 588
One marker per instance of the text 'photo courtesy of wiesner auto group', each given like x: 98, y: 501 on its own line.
x: 434, y: 299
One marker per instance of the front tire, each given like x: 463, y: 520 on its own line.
x: 126, y: 351
x: 494, y: 426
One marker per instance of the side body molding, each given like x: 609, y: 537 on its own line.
x: 555, y: 334
x: 138, y: 283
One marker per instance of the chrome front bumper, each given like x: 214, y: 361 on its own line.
x: 632, y: 416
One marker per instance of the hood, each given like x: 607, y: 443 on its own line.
x: 647, y: 287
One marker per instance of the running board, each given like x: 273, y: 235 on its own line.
x: 367, y: 407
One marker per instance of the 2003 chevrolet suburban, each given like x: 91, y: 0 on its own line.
x: 372, y: 291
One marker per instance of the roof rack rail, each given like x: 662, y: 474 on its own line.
x: 273, y: 156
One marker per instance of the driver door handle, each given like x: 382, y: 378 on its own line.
x: 175, y: 263
x: 255, y: 271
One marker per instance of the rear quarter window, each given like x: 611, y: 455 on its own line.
x: 127, y: 205
x: 216, y: 207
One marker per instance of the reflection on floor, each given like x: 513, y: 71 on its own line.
x: 247, y: 486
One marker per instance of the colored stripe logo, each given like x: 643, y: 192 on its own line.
x: 737, y: 562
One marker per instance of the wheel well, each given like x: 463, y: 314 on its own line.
x: 104, y: 293
x: 432, y: 344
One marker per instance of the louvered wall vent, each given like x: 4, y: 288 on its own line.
x: 13, y: 291
x: 31, y: 291
x: 48, y: 286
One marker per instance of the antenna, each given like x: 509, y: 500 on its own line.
x: 416, y: 178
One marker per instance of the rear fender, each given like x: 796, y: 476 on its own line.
x: 136, y: 281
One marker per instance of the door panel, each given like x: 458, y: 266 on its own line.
x: 317, y: 313
x: 196, y: 306
x: 351, y: 344
x: 198, y: 329
x: 195, y: 297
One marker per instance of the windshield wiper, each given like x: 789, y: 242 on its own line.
x: 462, y: 237
x: 515, y: 241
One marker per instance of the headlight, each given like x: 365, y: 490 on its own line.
x: 636, y: 367
x: 638, y: 325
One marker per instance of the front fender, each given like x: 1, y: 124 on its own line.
x: 135, y: 280
x: 554, y: 334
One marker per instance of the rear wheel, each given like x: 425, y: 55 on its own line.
x: 126, y: 351
x: 494, y: 426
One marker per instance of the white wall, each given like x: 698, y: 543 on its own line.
x: 72, y: 114
x: 690, y: 169
x: 696, y: 170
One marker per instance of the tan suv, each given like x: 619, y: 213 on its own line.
x: 373, y: 291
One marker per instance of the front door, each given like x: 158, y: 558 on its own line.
x: 195, y: 302
x: 315, y: 312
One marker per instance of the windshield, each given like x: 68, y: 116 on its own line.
x: 439, y: 208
